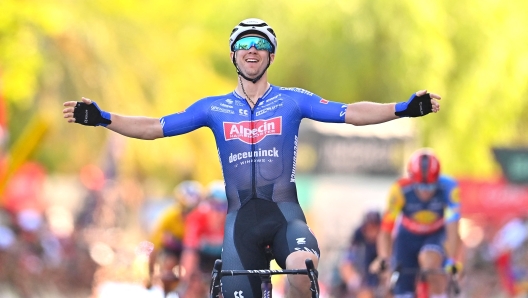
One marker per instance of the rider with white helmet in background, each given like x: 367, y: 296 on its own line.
x: 188, y: 194
x: 168, y: 234
x: 204, y: 234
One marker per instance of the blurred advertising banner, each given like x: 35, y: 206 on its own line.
x: 330, y: 148
x: 514, y: 163
x: 492, y: 201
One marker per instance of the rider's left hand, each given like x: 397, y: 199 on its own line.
x: 419, y: 104
x: 378, y: 265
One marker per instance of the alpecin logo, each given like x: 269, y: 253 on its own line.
x: 252, y: 132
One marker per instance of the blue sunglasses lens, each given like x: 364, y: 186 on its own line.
x: 426, y: 186
x: 252, y: 41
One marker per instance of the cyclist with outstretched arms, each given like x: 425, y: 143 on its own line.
x: 256, y: 131
x: 420, y: 226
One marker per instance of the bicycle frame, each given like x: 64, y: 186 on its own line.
x: 265, y: 277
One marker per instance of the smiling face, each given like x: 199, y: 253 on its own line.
x: 252, y: 62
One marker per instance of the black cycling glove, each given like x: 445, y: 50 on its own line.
x: 90, y: 114
x: 416, y: 106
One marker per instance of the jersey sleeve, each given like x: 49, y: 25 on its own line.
x: 395, y: 203
x: 452, y: 210
x: 314, y: 107
x: 192, y: 118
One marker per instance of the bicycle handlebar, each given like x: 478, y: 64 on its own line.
x: 264, y: 272
x: 218, y: 273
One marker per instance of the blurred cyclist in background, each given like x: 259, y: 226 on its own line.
x: 428, y: 204
x: 202, y: 244
x: 353, y: 268
x: 168, y: 234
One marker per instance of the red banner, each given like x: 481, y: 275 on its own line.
x: 496, y: 201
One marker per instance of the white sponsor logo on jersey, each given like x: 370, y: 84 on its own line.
x: 221, y: 110
x: 252, y: 132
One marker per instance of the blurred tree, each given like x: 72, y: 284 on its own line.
x: 158, y: 57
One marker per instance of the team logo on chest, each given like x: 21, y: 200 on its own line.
x: 252, y: 132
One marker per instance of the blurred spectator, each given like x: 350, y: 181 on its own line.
x: 7, y: 241
x: 36, y: 254
x: 356, y: 280
x: 509, y: 249
x: 34, y: 261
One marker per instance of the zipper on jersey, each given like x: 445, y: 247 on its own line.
x: 253, y: 146
x: 253, y: 149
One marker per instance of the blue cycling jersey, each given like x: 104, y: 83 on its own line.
x: 257, y: 147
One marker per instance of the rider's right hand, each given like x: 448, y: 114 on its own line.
x: 86, y: 112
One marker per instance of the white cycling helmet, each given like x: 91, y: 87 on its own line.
x: 216, y: 194
x: 188, y: 193
x: 216, y: 191
x: 256, y: 26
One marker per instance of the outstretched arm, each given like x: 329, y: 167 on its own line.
x: 365, y: 113
x: 138, y: 127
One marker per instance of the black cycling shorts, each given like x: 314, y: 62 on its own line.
x: 249, y: 232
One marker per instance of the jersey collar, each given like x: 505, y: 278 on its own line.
x: 235, y: 94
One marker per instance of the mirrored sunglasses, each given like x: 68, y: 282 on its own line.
x: 426, y: 186
x: 259, y: 43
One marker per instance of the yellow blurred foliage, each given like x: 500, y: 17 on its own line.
x: 157, y: 57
